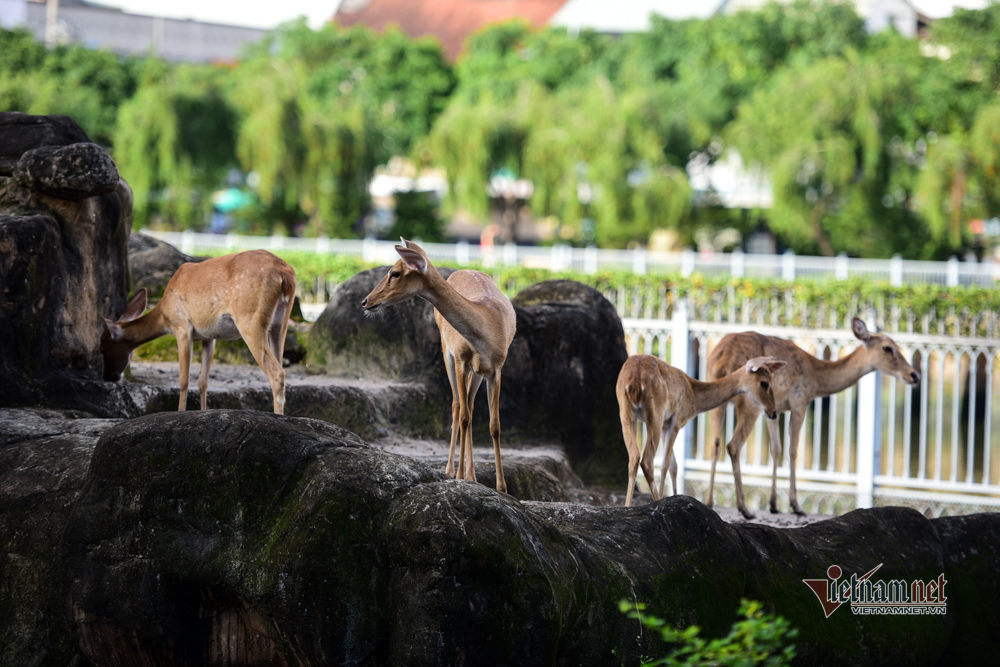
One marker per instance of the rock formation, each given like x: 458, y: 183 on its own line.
x: 242, y: 536
x: 558, y: 381
x: 65, y: 217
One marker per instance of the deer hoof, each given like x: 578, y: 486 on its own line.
x: 774, y: 507
x: 798, y: 511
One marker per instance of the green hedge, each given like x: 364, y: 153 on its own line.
x: 844, y: 296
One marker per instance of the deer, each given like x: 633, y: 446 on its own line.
x: 666, y: 399
x: 477, y: 324
x: 248, y: 295
x: 805, y: 379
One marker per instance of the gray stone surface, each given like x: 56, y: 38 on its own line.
x: 74, y: 172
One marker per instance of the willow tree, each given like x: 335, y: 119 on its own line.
x: 174, y: 142
x: 961, y: 180
x: 311, y: 152
x: 588, y: 151
x: 828, y: 134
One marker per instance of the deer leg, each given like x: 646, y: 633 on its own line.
x: 449, y: 362
x: 628, y: 432
x: 493, y: 394
x: 470, y: 467
x: 654, y: 433
x: 744, y: 424
x: 669, y: 462
x: 717, y: 415
x: 278, y: 330
x: 798, y: 416
x: 775, y: 437
x: 207, y: 350
x: 464, y: 417
x: 256, y: 338
x: 185, y: 350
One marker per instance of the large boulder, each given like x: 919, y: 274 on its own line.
x: 153, y: 263
x: 249, y: 538
x: 401, y: 343
x: 44, y: 459
x: 74, y: 172
x: 21, y: 132
x: 65, y: 219
x: 558, y: 381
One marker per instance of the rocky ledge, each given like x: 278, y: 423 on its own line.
x: 237, y: 537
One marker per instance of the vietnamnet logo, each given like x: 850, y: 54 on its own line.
x: 878, y: 597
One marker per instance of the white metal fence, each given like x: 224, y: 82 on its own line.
x: 589, y: 260
x: 880, y: 442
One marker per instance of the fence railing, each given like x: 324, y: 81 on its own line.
x: 880, y: 442
x: 789, y: 266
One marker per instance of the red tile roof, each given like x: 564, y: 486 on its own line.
x: 450, y: 21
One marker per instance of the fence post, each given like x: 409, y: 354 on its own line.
x: 187, y: 242
x: 369, y: 249
x: 232, y: 241
x: 510, y: 253
x: 277, y: 242
x: 639, y: 261
x: 687, y: 262
x: 323, y: 245
x: 680, y: 336
x: 590, y: 255
x: 737, y: 263
x: 555, y: 258
x: 462, y: 252
x: 953, y: 271
x: 867, y: 398
x: 788, y: 265
x: 841, y: 266
x: 896, y: 271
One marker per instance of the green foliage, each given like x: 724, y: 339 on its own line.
x: 873, y: 144
x: 756, y: 639
x: 175, y: 140
x: 836, y: 296
x: 417, y: 217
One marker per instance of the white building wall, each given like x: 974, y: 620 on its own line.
x: 134, y: 34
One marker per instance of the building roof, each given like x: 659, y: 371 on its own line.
x: 450, y: 21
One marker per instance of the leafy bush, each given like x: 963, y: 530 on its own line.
x: 755, y: 639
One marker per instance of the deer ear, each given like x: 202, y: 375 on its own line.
x: 114, y: 331
x: 755, y: 364
x: 860, y: 330
x: 775, y: 365
x: 415, y: 260
x: 135, y: 307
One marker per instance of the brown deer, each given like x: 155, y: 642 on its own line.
x: 477, y: 324
x: 246, y: 295
x: 805, y: 379
x: 666, y: 399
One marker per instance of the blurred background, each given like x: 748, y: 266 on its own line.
x: 870, y: 128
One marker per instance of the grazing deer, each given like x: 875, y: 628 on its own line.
x: 246, y: 295
x: 666, y: 398
x: 477, y: 324
x: 805, y: 379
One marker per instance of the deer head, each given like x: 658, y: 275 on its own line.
x: 115, y: 345
x: 407, y: 278
x: 883, y: 354
x: 758, y: 386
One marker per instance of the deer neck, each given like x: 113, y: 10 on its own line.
x: 835, y: 376
x: 470, y: 319
x: 708, y: 395
x: 143, y: 329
